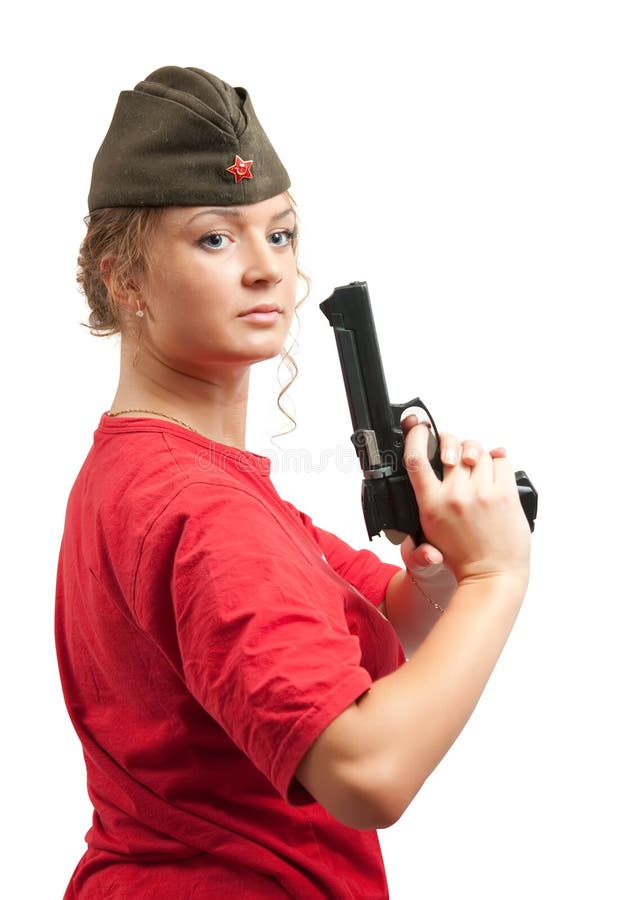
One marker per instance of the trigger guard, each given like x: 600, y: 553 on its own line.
x: 399, y: 408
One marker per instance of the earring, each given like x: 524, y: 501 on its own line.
x: 139, y: 313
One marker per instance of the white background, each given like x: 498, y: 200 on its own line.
x: 467, y: 160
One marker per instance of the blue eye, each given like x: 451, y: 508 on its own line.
x: 215, y: 241
x: 281, y: 238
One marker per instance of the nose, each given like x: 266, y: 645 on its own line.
x: 262, y: 264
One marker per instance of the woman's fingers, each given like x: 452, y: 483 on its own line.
x: 450, y: 449
x: 454, y: 454
x: 419, y: 557
x: 471, y: 453
x: 416, y: 460
x: 460, y: 456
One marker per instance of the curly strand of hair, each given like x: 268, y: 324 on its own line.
x: 292, y: 366
x: 290, y: 363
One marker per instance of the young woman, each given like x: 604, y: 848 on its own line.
x: 247, y: 714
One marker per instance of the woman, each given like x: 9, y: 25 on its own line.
x: 247, y: 715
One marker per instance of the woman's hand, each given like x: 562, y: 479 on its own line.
x: 473, y: 517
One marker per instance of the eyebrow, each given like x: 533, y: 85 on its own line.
x: 237, y: 214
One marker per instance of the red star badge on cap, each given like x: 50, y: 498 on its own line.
x: 240, y: 169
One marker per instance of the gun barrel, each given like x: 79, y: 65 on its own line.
x: 349, y: 311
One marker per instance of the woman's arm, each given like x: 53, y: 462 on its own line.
x: 369, y: 763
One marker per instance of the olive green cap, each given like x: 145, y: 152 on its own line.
x: 183, y: 137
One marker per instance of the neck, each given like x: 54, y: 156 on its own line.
x: 215, y: 404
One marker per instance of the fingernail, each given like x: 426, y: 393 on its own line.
x: 471, y: 453
x: 450, y: 456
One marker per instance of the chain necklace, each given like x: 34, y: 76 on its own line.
x: 154, y: 412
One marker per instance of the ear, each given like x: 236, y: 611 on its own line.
x: 121, y: 290
x: 105, y: 269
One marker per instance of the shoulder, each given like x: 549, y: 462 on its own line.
x: 148, y: 468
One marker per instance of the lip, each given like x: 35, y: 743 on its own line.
x: 262, y: 314
x: 261, y: 308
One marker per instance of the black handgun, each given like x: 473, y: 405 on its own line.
x: 387, y: 496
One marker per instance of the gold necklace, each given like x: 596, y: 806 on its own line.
x: 154, y: 412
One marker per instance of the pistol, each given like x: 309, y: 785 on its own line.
x: 387, y: 496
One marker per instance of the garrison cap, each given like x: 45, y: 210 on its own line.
x: 184, y: 137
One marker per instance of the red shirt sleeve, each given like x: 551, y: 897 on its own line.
x: 258, y: 622
x: 362, y: 568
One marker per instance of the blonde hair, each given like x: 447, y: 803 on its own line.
x: 124, y: 235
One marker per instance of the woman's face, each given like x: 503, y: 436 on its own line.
x: 210, y: 267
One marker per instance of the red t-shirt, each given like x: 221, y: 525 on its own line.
x: 207, y: 632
